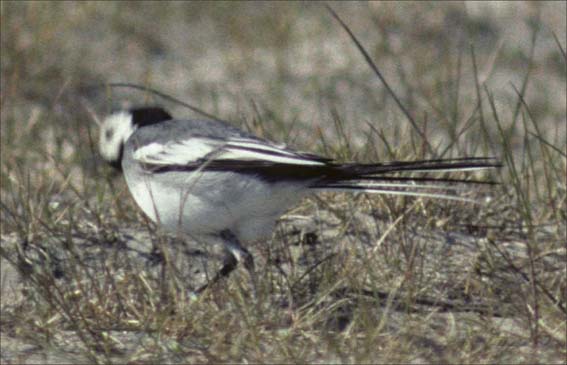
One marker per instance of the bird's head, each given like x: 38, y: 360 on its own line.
x: 116, y: 128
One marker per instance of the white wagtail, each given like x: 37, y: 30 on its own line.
x: 212, y: 181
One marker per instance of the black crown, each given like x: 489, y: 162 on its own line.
x: 148, y: 115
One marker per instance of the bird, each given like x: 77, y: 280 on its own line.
x: 214, y: 182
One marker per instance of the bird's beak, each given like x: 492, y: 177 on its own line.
x: 116, y: 165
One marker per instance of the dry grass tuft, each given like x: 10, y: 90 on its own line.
x: 86, y: 278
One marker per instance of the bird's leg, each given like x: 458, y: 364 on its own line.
x: 229, y: 264
x: 235, y: 254
x: 241, y: 254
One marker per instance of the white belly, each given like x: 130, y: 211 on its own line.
x: 212, y: 203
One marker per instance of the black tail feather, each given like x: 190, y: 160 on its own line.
x: 330, y: 173
x: 461, y: 164
x: 342, y: 174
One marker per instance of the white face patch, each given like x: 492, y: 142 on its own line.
x: 114, y: 131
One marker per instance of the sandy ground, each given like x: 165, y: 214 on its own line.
x: 226, y: 62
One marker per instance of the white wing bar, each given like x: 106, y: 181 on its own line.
x: 198, y: 149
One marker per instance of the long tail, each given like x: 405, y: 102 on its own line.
x: 384, y: 178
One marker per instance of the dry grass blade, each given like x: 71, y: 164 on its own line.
x: 349, y: 278
x: 165, y: 97
x: 374, y: 68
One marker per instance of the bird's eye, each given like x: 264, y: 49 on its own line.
x: 108, y: 134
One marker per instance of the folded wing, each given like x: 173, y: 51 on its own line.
x: 277, y: 163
